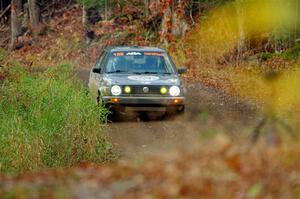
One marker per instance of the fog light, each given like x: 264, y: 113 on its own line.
x: 127, y: 89
x: 163, y: 90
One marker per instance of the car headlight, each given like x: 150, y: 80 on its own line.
x: 116, y: 90
x: 174, y: 91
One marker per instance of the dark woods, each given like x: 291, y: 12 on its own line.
x: 22, y: 20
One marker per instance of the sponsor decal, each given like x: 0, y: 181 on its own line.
x: 119, y: 54
x: 143, y: 78
x: 153, y: 54
x: 133, y: 53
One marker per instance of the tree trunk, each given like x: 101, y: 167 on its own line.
x: 106, y: 10
x: 34, y: 14
x: 90, y: 16
x: 173, y: 24
x: 85, y: 23
x: 147, y: 3
x: 179, y: 24
x: 241, y: 45
x: 19, y: 6
x: 84, y: 17
x: 15, y: 23
x: 166, y: 25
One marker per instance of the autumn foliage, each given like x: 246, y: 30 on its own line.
x: 232, y: 48
x: 222, y: 171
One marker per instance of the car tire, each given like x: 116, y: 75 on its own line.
x: 181, y: 110
x: 144, y: 116
x: 114, y: 116
x: 172, y: 113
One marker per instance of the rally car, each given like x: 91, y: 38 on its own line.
x: 137, y: 79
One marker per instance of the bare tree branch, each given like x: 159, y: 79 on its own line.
x: 6, y: 9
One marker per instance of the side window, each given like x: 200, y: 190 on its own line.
x: 100, y: 60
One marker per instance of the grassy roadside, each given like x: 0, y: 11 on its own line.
x: 48, y: 120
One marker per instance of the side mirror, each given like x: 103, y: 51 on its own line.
x: 97, y: 70
x: 182, y: 70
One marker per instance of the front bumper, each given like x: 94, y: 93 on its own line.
x: 121, y: 103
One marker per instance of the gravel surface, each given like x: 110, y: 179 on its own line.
x: 208, y: 111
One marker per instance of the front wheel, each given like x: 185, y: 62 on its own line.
x: 114, y: 116
x: 174, y: 111
x: 181, y: 110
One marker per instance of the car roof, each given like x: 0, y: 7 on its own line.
x: 134, y: 48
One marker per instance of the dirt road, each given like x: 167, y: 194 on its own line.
x: 204, y: 172
x: 208, y: 111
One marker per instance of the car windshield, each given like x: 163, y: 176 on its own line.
x: 139, y: 63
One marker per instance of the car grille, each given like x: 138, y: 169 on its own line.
x: 153, y: 90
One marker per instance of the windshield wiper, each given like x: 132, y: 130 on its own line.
x: 138, y: 73
x: 118, y: 71
x: 164, y: 73
x: 150, y: 72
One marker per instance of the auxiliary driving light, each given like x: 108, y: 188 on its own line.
x: 163, y: 90
x: 127, y: 89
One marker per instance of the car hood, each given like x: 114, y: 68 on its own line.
x: 143, y: 79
